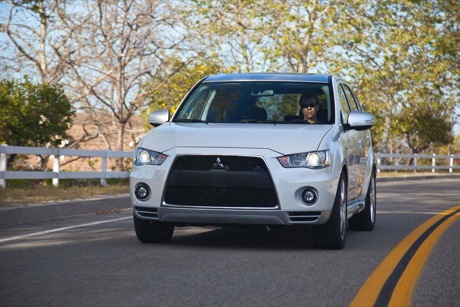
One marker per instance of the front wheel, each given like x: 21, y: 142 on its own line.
x: 152, y: 231
x: 332, y: 234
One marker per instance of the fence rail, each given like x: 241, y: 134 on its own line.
x: 55, y: 156
x: 385, y: 162
x: 415, y: 162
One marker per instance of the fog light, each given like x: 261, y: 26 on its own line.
x: 309, y: 196
x: 142, y: 191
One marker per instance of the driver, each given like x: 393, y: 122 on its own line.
x: 309, y: 106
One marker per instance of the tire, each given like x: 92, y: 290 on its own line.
x: 152, y: 231
x: 332, y: 234
x: 365, y: 220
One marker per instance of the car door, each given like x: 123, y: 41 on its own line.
x: 351, y: 147
x: 362, y: 143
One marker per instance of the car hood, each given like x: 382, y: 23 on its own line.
x: 281, y: 138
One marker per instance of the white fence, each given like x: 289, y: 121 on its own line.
x: 55, y: 156
x: 394, y: 162
x: 399, y: 162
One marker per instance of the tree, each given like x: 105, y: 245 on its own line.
x: 301, y: 34
x: 398, y: 53
x: 114, y: 56
x: 123, y: 48
x: 40, y: 38
x: 33, y: 115
x: 428, y: 126
x: 285, y: 36
x: 102, y: 52
x: 169, y: 90
x: 38, y: 42
x: 233, y: 31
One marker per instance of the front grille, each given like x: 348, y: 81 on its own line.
x: 221, y: 197
x: 220, y: 181
x: 231, y: 163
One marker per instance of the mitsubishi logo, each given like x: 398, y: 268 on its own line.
x: 217, y: 164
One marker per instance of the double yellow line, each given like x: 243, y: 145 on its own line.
x: 393, y: 282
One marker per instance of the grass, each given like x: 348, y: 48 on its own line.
x: 32, y: 192
x: 21, y: 194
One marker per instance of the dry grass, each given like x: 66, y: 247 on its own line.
x: 38, y: 194
x: 33, y: 194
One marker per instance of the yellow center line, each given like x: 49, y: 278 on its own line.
x: 370, y: 291
x: 402, y: 294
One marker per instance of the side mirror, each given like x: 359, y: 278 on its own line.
x: 360, y: 120
x: 159, y: 117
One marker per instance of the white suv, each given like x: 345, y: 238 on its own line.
x: 262, y: 149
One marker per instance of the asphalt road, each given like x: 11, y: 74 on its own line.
x: 96, y: 260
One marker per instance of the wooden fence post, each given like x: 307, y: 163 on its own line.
x: 56, y: 168
x: 3, y: 164
x: 104, y: 169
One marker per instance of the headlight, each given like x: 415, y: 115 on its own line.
x: 148, y: 157
x: 315, y: 159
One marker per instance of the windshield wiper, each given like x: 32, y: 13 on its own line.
x: 254, y: 121
x: 189, y: 120
x: 296, y: 121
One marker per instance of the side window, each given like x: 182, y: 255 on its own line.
x: 351, y: 98
x: 194, y: 110
x: 343, y: 105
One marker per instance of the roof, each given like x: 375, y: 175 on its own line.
x: 286, y: 77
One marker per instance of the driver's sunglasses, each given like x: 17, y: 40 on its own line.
x: 309, y: 105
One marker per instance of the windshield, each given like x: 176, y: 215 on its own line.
x: 258, y: 102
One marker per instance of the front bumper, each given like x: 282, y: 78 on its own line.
x: 205, y: 216
x: 288, y: 185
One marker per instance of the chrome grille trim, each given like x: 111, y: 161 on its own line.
x: 146, y: 212
x: 164, y: 204
x: 303, y: 216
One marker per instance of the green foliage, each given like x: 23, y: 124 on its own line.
x: 171, y: 87
x: 455, y: 148
x: 425, y: 126
x: 401, y: 55
x: 92, y: 163
x: 33, y: 115
x: 33, y: 6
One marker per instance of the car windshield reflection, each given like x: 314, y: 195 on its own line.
x: 258, y: 102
